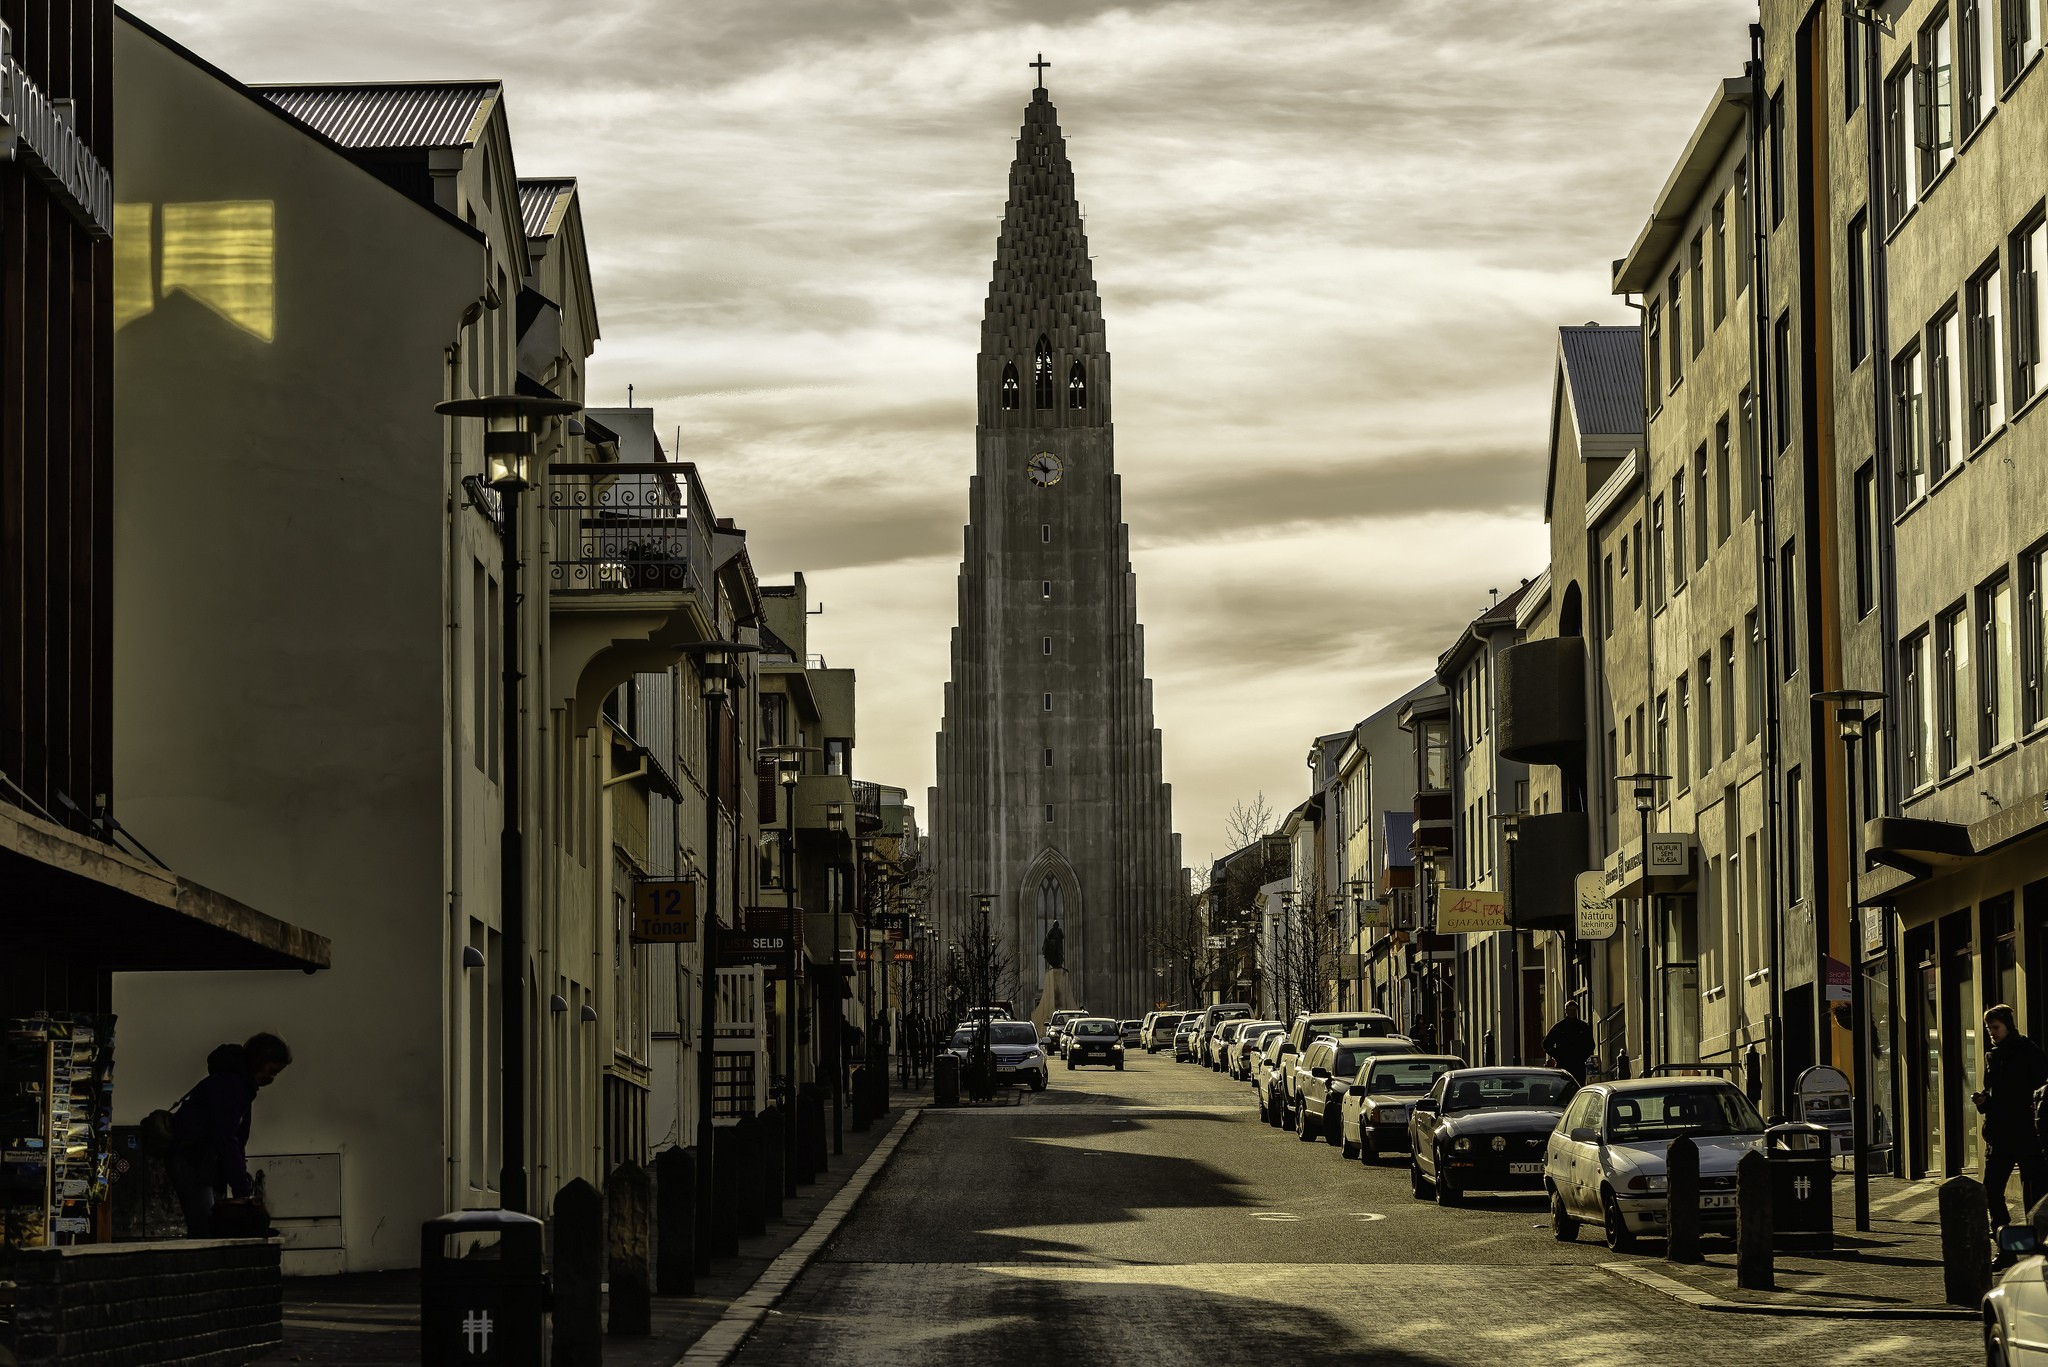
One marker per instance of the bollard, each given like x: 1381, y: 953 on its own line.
x: 629, y: 1255
x: 675, y: 1222
x: 1965, y: 1241
x: 768, y: 1173
x: 816, y: 1134
x: 1682, y: 1175
x: 751, y: 1144
x: 859, y: 1091
x: 725, y: 1193
x: 1755, y: 1269
x: 578, y: 1276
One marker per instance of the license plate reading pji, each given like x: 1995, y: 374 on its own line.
x: 1717, y: 1202
x: 1524, y: 1169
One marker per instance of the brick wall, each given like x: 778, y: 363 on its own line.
x: 200, y: 1303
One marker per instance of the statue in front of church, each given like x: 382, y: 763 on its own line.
x: 1054, y: 949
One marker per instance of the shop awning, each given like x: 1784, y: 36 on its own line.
x: 72, y: 897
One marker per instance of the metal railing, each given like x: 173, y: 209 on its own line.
x: 626, y: 528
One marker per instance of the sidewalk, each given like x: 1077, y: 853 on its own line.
x: 372, y: 1319
x: 1893, y: 1271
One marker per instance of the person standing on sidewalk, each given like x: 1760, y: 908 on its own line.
x: 1569, y: 1045
x: 209, y: 1164
x: 2014, y: 1069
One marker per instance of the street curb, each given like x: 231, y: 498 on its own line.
x: 1706, y: 1300
x: 722, y: 1340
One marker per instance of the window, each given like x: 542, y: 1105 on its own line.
x: 1657, y: 554
x: 1634, y: 552
x: 1747, y: 436
x: 1699, y: 292
x: 1776, y: 155
x: 1721, y: 480
x: 2021, y: 35
x: 1982, y: 359
x: 1678, y: 557
x: 479, y: 667
x: 1045, y: 588
x: 1699, y: 507
x: 1996, y: 713
x: 494, y: 712
x: 1048, y: 813
x: 1944, y: 392
x: 1859, y: 288
x: 1935, y: 114
x: 2033, y: 636
x: 1675, y: 291
x: 1653, y: 334
x: 1743, y: 227
x: 1788, y: 607
x: 1951, y: 685
x: 1048, y: 702
x: 1613, y: 790
x: 1045, y: 645
x: 1661, y: 757
x: 1898, y: 113
x: 1754, y: 665
x: 1045, y: 532
x: 1866, y: 538
x: 1048, y: 758
x: 1706, y: 726
x: 1909, y: 423
x: 1719, y: 275
x: 1607, y: 593
x: 1795, y: 873
x: 1781, y: 378
x: 1041, y: 374
x: 1852, y: 63
x: 1727, y: 694
x: 1683, y: 754
x: 1077, y: 386
x: 1012, y: 394
x: 1976, y: 60
x: 2029, y: 248
x: 1917, y: 698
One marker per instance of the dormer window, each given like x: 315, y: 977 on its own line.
x: 1041, y: 374
x: 1011, y: 391
x: 1077, y: 386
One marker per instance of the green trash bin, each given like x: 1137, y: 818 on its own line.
x: 483, y: 1290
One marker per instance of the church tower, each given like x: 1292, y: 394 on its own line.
x: 1049, y: 797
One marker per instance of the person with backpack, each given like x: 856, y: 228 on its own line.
x: 2014, y: 1069
x: 209, y: 1130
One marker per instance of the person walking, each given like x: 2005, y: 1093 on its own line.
x: 2014, y: 1069
x: 1569, y: 1045
x: 209, y: 1158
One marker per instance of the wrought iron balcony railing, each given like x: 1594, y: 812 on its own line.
x: 627, y: 528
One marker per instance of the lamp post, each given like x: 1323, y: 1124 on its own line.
x: 1357, y: 887
x: 1510, y: 835
x: 1849, y: 717
x: 788, y: 769
x: 509, y: 421
x: 1425, y: 968
x: 835, y: 821
x: 1643, y: 788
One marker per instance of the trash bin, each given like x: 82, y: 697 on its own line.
x: 1802, y: 1185
x: 483, y: 1299
x: 946, y: 1080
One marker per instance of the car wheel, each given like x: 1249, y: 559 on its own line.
x: 1333, y: 1129
x: 1368, y: 1153
x: 1038, y: 1083
x: 1350, y: 1149
x: 1301, y: 1125
x: 1070, y: 1065
x: 1417, y: 1186
x: 1562, y: 1226
x: 1994, y: 1349
x: 1119, y: 1065
x: 1619, y: 1240
x: 1275, y: 1117
x: 1446, y: 1193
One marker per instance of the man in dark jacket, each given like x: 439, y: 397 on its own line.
x: 1570, y: 1043
x: 210, y: 1129
x: 2014, y: 1067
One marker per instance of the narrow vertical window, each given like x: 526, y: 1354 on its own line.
x: 1045, y: 645
x: 1909, y: 445
x: 1011, y: 394
x: 1852, y: 62
x: 1635, y: 554
x: 1682, y: 756
x: 1935, y: 112
x: 1781, y: 378
x: 1866, y: 538
x: 1698, y: 281
x: 1706, y: 720
x: 1788, y: 607
x: 1795, y: 801
x: 1657, y: 554
x: 1917, y: 696
x: 1607, y: 594
x: 1077, y: 386
x: 1675, y: 292
x: 1719, y: 275
x: 1699, y: 507
x: 1984, y: 359
x: 1898, y: 114
x: 1048, y: 813
x: 1048, y: 759
x: 1859, y: 287
x: 1723, y: 480
x: 1994, y: 665
x: 1976, y: 59
x: 1745, y: 231
x: 1653, y: 343
x: 1753, y: 667
x: 1944, y: 392
x: 1045, y: 588
x: 1747, y: 436
x: 1777, y: 157
x: 2022, y: 36
x: 1679, y: 565
x: 2029, y: 245
x: 1048, y: 702
x: 479, y: 668
x: 1728, y: 692
x: 1045, y: 532
x: 2033, y: 637
x: 1952, y: 685
x: 1041, y: 374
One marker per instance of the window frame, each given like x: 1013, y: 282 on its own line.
x: 1997, y: 697
x: 1983, y: 343
x: 1953, y: 688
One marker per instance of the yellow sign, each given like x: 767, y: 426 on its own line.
x: 1470, y: 912
x: 665, y: 911
x: 1372, y: 916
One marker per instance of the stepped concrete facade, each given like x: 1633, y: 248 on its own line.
x: 1049, y: 798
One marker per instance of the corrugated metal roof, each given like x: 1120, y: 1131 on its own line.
x: 1605, y: 368
x: 396, y: 114
x: 541, y: 202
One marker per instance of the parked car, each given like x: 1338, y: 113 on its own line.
x: 1212, y: 1017
x: 1484, y: 1129
x: 1095, y: 1039
x: 1375, y: 1111
x: 1605, y: 1160
x: 1325, y: 1073
x: 1184, y: 1040
x: 1220, y: 1042
x: 1308, y: 1028
x: 1159, y: 1032
x: 1132, y: 1032
x: 1268, y: 1085
x: 2015, y: 1309
x: 1054, y: 1028
x: 1245, y: 1047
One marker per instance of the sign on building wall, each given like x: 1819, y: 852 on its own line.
x: 1594, y: 919
x: 665, y: 911
x: 1470, y: 911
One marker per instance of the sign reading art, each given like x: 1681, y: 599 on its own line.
x: 665, y: 911
x: 1470, y: 912
x: 1594, y: 918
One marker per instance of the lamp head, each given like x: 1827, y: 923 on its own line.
x: 510, y: 421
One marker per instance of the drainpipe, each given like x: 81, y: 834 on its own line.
x: 1643, y: 763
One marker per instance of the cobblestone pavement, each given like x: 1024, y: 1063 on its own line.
x: 1148, y: 1217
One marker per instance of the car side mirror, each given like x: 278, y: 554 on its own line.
x: 1427, y: 1105
x: 1323, y: 1073
x: 1585, y: 1134
x: 2019, y: 1241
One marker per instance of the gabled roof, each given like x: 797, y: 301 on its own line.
x: 1604, y: 367
x: 542, y: 204
x: 377, y: 114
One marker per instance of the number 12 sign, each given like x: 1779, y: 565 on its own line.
x: 664, y: 910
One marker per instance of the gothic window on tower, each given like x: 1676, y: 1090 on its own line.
x: 1045, y: 588
x: 1012, y: 392
x: 1048, y: 702
x: 1048, y: 811
x: 1041, y: 374
x: 1077, y: 386
x: 1045, y: 645
x: 1048, y: 759
x: 1045, y: 531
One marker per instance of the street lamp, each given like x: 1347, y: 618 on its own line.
x: 1357, y: 886
x: 1849, y: 717
x: 1643, y: 788
x: 1511, y: 834
x: 835, y: 821
x: 509, y: 423
x: 788, y: 769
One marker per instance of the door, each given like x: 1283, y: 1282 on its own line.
x: 1930, y: 1139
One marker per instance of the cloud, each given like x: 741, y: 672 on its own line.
x: 1334, y: 241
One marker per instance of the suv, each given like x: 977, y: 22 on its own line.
x: 1210, y: 1019
x: 1159, y: 1028
x: 1055, y: 1030
x: 1308, y: 1028
x: 1095, y: 1039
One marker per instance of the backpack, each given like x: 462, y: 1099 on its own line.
x: 159, y: 1128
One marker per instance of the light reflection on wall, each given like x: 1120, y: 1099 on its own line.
x: 222, y: 253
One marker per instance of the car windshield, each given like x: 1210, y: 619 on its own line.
x: 1348, y: 1025
x: 1232, y: 1013
x: 1131, y: 1025
x: 1166, y: 1023
x: 1399, y: 1076
x: 1668, y: 1113
x: 1012, y: 1032
x: 1492, y: 1091
x: 1347, y: 1062
x: 1095, y: 1027
x: 963, y: 1038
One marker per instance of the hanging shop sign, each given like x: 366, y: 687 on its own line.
x: 750, y: 947
x: 37, y: 131
x: 665, y: 911
x: 1594, y: 918
x: 1470, y: 911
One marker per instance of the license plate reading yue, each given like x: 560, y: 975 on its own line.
x: 1524, y: 1169
x: 1720, y: 1201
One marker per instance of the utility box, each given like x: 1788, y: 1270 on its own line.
x: 483, y: 1290
x: 946, y: 1080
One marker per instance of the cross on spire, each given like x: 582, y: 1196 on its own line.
x: 1039, y: 66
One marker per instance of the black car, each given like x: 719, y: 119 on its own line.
x: 1095, y: 1039
x: 1485, y: 1129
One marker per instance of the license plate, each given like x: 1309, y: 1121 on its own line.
x: 1719, y: 1202
x: 1524, y: 1169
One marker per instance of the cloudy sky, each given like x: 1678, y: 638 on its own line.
x: 1333, y: 239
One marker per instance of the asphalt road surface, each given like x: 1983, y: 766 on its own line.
x: 1148, y: 1217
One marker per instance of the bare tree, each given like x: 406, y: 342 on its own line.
x: 1180, y: 944
x: 1305, y: 944
x: 1246, y: 822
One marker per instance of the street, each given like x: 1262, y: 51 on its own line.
x: 1148, y: 1217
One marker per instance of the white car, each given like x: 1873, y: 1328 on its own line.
x: 1605, y: 1160
x: 2016, y: 1308
x: 1015, y: 1046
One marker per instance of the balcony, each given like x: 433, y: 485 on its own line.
x: 1435, y: 821
x: 1551, y: 851
x: 1542, y: 696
